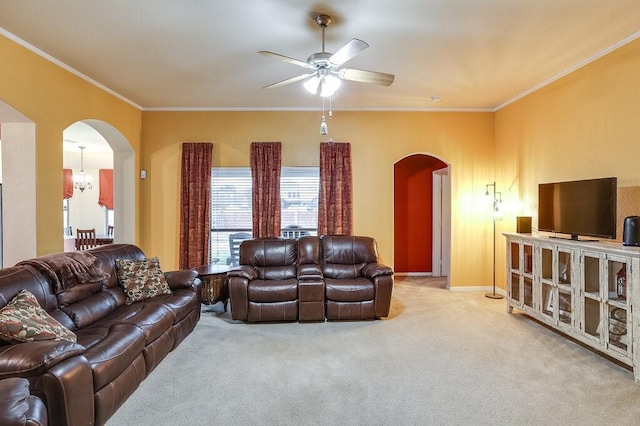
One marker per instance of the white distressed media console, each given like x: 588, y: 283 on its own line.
x: 585, y: 289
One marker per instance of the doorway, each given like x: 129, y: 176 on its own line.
x: 88, y: 196
x: 421, y: 198
x: 124, y: 178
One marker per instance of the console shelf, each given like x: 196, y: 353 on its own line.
x: 585, y: 289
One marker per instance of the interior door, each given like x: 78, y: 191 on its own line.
x: 441, y: 222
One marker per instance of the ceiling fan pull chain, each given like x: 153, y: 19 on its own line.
x: 330, y: 107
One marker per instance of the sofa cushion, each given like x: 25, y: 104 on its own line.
x: 111, y: 348
x: 345, y: 256
x: 268, y: 291
x: 150, y: 315
x: 91, y: 309
x: 23, y: 320
x: 354, y: 290
x: 272, y: 259
x: 141, y: 278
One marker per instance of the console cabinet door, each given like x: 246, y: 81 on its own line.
x: 617, y: 323
x: 591, y: 313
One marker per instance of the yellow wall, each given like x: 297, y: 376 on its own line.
x: 585, y: 125
x: 53, y: 99
x: 378, y: 139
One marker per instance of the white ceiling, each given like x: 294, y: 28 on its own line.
x: 172, y: 54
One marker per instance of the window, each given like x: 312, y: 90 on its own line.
x: 231, y: 195
x: 108, y: 218
x: 299, y: 199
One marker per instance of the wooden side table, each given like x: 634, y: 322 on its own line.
x: 214, y: 284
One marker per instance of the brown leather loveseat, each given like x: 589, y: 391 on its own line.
x: 310, y: 279
x: 117, y: 345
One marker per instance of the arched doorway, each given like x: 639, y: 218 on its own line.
x: 421, y: 198
x: 123, y: 179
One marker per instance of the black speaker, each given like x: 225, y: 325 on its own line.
x: 631, y: 231
x: 523, y: 224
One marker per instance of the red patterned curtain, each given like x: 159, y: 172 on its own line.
x: 266, y: 158
x: 335, y: 211
x: 105, y: 198
x: 195, y: 193
x: 67, y: 183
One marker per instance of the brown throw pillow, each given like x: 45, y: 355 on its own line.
x: 23, y: 320
x: 141, y: 279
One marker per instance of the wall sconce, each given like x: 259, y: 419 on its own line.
x: 497, y: 202
x: 81, y: 180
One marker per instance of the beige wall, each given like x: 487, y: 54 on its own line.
x: 584, y: 125
x: 378, y: 139
x: 53, y: 99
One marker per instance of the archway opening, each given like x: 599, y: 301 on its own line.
x: 421, y: 194
x: 124, y: 182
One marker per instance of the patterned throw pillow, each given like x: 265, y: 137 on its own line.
x: 23, y: 320
x: 141, y: 279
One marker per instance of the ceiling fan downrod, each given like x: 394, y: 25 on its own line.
x: 323, y: 22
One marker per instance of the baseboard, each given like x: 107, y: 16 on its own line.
x: 413, y: 274
x: 488, y: 289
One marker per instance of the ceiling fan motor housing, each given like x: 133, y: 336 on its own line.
x: 320, y: 59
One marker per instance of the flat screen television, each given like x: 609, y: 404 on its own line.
x: 579, y: 208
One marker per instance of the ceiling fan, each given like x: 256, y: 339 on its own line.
x: 326, y: 72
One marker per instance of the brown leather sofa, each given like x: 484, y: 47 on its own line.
x: 310, y: 279
x: 118, y: 345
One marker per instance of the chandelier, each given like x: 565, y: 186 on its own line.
x: 82, y: 181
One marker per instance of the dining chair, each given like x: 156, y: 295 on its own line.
x: 294, y: 231
x: 110, y: 231
x: 85, y: 239
x: 235, y: 239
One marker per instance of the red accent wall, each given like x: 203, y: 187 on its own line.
x: 413, y: 205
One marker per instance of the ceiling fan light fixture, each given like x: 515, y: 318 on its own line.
x: 312, y: 84
x: 330, y: 84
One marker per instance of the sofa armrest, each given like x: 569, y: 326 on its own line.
x: 373, y: 270
x: 14, y: 403
x: 243, y: 271
x: 384, y: 287
x: 239, y: 297
x: 69, y: 392
x: 181, y: 279
x: 35, y: 358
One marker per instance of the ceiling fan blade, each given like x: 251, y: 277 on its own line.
x: 363, y: 76
x: 289, y: 81
x: 348, y: 51
x: 285, y: 58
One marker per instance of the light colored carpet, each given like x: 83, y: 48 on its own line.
x: 442, y: 357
